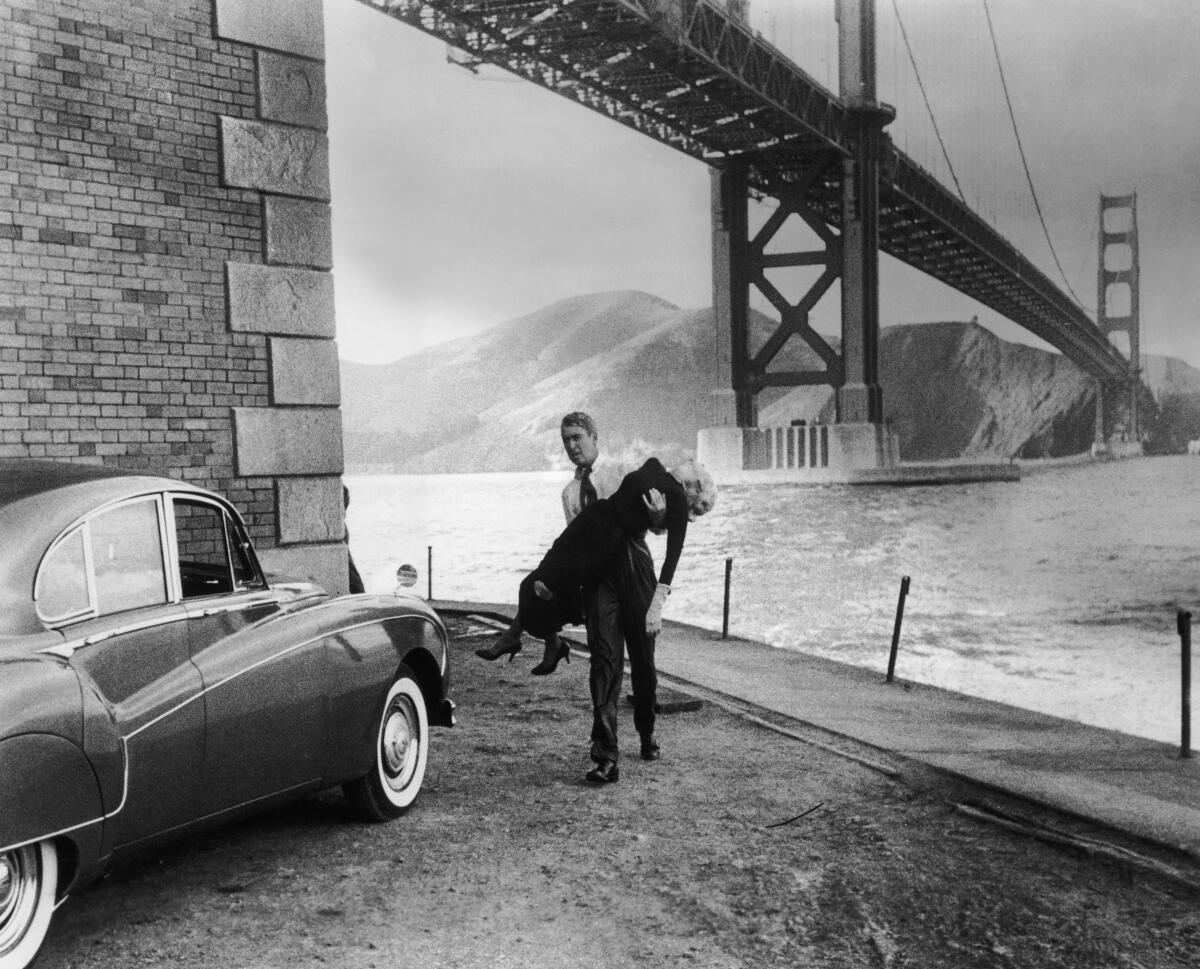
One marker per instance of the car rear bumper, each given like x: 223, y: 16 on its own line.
x: 445, y: 714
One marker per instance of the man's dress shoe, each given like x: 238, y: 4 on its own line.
x: 650, y: 749
x: 604, y: 773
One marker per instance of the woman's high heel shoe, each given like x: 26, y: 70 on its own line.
x: 550, y: 660
x: 499, y: 648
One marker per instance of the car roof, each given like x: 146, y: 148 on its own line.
x: 38, y: 501
x: 21, y: 478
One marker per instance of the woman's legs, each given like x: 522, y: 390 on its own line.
x: 555, y: 650
x: 534, y: 615
x: 507, y: 643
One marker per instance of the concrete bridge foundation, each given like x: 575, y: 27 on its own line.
x: 827, y: 449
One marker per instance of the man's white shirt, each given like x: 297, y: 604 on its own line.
x: 606, y: 478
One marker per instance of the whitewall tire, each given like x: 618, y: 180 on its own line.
x: 401, y: 751
x: 28, y: 881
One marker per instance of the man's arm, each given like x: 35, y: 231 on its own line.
x: 566, y: 501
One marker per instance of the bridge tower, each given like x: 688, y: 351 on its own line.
x: 1117, y: 309
x: 858, y: 439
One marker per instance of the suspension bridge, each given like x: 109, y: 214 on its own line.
x: 694, y: 75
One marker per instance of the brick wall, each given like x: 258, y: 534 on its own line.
x: 124, y: 336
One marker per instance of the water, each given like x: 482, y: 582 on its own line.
x: 1056, y: 594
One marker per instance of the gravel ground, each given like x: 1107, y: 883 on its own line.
x: 508, y: 859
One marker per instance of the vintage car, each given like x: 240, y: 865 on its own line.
x: 152, y: 679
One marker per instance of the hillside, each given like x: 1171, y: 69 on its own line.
x: 990, y: 399
x: 640, y: 366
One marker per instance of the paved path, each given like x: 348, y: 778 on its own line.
x: 1138, y: 786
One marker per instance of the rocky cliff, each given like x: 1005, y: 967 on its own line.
x: 641, y: 367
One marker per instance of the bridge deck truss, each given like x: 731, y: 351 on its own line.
x: 689, y: 75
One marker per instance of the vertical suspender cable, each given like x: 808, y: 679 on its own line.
x: 1021, y: 149
x: 925, y: 97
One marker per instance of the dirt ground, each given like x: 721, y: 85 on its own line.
x: 508, y: 859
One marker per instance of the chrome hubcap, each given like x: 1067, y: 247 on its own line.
x: 18, y: 894
x: 7, y: 881
x: 399, y: 742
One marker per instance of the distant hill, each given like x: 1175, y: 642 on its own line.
x: 642, y: 367
x: 1176, y: 389
x: 990, y: 398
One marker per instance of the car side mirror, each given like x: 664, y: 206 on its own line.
x: 406, y: 576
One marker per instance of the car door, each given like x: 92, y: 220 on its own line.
x: 263, y: 687
x: 105, y: 584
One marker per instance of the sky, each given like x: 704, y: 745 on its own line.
x: 463, y: 200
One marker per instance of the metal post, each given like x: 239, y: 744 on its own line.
x: 429, y: 570
x: 896, y: 631
x: 725, y: 620
x: 1184, y: 623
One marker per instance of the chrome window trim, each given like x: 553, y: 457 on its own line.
x: 254, y: 597
x: 85, y: 524
x: 67, y: 649
x: 171, y: 546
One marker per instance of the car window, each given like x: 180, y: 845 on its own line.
x: 202, y: 538
x: 245, y: 570
x: 214, y: 553
x: 127, y: 557
x: 62, y: 588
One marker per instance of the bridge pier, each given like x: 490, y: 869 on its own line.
x: 734, y: 400
x: 859, y: 398
x: 859, y: 438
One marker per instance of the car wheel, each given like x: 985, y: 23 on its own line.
x: 401, y: 749
x: 28, y: 880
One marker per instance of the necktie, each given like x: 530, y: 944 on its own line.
x: 587, y: 490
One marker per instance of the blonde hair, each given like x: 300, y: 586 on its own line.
x: 707, y: 488
x: 693, y: 472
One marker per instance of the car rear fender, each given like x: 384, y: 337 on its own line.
x: 50, y: 791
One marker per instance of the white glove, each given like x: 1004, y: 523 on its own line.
x: 654, y: 613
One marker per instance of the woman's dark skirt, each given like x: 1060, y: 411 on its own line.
x: 585, y: 552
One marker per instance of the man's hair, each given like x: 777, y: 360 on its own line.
x: 578, y: 418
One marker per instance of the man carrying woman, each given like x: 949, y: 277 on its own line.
x: 603, y: 550
x: 596, y: 476
x: 606, y: 555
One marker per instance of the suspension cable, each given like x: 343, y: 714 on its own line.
x: 1025, y: 164
x: 1091, y: 310
x: 925, y: 97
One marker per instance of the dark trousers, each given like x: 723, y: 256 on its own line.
x: 615, y: 613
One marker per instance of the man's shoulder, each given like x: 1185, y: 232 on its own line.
x: 611, y: 468
x: 621, y: 468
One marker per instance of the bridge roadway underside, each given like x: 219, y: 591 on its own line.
x: 689, y: 75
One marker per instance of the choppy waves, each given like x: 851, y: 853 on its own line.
x: 1057, y: 594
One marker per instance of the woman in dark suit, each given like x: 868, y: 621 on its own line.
x: 591, y: 544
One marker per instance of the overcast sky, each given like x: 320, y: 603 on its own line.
x: 461, y: 201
